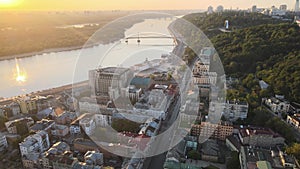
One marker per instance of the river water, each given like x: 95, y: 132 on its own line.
x: 55, y: 69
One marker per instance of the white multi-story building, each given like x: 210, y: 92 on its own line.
x: 131, y: 92
x: 88, y: 123
x: 31, y: 148
x: 101, y: 80
x: 75, y: 129
x: 38, y: 142
x: 205, y: 78
x: 277, y: 105
x: 102, y: 120
x: 235, y: 110
x: 294, y: 120
x: 158, y: 100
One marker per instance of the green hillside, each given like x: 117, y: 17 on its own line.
x: 266, y: 48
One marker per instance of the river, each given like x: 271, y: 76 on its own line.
x: 55, y: 69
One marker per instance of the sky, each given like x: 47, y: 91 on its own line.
x: 136, y: 4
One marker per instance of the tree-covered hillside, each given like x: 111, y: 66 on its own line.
x: 261, y: 46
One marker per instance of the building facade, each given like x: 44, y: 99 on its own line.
x: 235, y: 110
x: 19, y: 126
x: 263, y: 137
x: 3, y: 142
x: 103, y: 79
x: 294, y: 120
x: 209, y: 130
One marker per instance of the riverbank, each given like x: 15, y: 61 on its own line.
x: 24, y: 55
x: 50, y: 91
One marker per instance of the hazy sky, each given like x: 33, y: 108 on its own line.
x: 136, y: 4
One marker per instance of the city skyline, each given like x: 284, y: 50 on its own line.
x: 135, y: 4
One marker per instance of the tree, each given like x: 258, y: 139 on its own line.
x: 2, y: 122
x: 193, y: 154
x: 233, y: 162
x: 294, y: 150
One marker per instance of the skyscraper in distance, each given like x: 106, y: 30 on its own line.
x: 297, y: 6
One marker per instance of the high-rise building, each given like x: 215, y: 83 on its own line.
x: 283, y: 7
x: 254, y: 8
x: 297, y: 6
x: 103, y: 80
x: 220, y: 8
x: 210, y: 10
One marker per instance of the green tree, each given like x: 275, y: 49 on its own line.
x: 233, y: 162
x: 294, y: 149
x: 193, y: 154
x: 2, y: 122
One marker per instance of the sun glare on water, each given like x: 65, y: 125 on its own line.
x: 9, y: 3
x: 20, y: 76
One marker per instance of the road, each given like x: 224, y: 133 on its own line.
x: 168, y: 127
x: 164, y: 141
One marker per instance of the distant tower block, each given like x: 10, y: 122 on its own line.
x: 297, y: 6
x: 226, y: 24
x: 210, y: 10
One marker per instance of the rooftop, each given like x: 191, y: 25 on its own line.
x: 112, y: 70
x: 257, y: 131
x: 210, y: 147
x: 42, y: 125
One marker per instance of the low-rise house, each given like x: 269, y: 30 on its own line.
x: 294, y: 108
x: 210, y: 150
x: 59, y: 130
x: 263, y: 137
x: 65, y: 161
x: 65, y: 117
x: 90, y: 105
x: 93, y: 158
x: 84, y: 145
x: 43, y: 124
x: 84, y: 165
x: 141, y: 82
x: 75, y: 127
x: 233, y: 143
x: 57, y: 149
x: 45, y: 113
x: 256, y: 158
